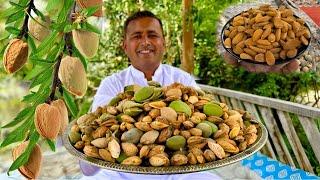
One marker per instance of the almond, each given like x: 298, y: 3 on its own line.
x: 31, y: 169
x: 73, y: 75
x: 47, y: 120
x: 15, y: 55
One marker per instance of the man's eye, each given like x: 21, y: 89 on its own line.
x: 136, y: 37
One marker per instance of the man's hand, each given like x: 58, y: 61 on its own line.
x: 284, y: 68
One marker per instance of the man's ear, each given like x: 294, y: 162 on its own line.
x: 124, y: 45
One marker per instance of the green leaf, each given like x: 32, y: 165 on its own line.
x: 21, y: 116
x: 15, y: 17
x: 32, y: 44
x: 18, y: 134
x: 68, y: 28
x: 20, y: 161
x: 82, y: 59
x: 89, y: 27
x: 23, y: 2
x: 27, y: 97
x: 9, y: 12
x: 47, y: 44
x: 70, y: 103
x: 55, y: 52
x: 17, y: 5
x: 39, y: 13
x: 24, y: 157
x: 52, y: 4
x: 41, y: 62
x: 40, y: 96
x: 12, y: 30
x: 36, y: 70
x: 44, y: 76
x: 51, y: 144
x: 59, y: 26
x: 65, y: 10
x: 43, y: 96
x: 90, y: 10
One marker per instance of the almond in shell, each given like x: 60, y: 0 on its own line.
x: 73, y: 75
x: 31, y: 169
x: 15, y: 55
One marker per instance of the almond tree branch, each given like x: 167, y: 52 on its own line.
x: 24, y: 30
x: 67, y: 37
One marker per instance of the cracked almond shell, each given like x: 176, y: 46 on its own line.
x: 73, y: 75
x: 15, y: 55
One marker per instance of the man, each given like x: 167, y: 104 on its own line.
x: 144, y: 44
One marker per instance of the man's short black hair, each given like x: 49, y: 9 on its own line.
x: 138, y: 15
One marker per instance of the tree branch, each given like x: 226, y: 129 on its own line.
x: 24, y: 30
x: 67, y: 47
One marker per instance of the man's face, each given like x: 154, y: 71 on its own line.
x: 144, y: 43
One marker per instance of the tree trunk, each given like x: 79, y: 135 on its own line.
x: 187, y: 37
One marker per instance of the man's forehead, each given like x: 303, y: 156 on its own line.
x: 148, y: 24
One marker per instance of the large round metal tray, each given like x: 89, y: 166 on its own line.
x: 261, y: 140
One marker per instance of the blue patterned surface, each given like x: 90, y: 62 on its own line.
x: 268, y: 168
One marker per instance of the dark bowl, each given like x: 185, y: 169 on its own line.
x: 301, y: 50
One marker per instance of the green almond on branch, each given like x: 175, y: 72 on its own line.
x: 86, y: 42
x: 73, y: 75
x: 15, y: 55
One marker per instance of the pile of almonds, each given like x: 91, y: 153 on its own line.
x: 266, y: 34
x: 162, y: 126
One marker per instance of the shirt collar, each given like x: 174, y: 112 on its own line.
x: 158, y: 74
x: 140, y: 75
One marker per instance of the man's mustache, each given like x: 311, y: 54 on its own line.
x: 146, y: 47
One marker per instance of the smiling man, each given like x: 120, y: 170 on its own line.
x: 144, y: 44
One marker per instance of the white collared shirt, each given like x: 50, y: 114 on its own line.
x: 114, y: 84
